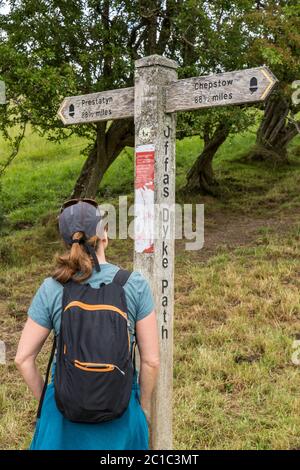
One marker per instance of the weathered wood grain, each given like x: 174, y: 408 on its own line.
x: 154, y: 126
x: 103, y: 106
x: 220, y: 89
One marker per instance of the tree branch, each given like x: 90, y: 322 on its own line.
x: 15, y: 150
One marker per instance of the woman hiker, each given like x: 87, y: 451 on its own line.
x: 123, y: 424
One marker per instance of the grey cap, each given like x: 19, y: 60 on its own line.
x: 79, y: 217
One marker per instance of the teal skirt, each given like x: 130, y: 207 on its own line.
x: 54, y: 432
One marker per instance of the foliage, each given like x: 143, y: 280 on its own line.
x: 50, y: 49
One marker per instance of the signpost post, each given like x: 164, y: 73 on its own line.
x: 155, y: 259
x: 153, y: 101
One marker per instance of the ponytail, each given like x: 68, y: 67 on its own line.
x: 76, y: 259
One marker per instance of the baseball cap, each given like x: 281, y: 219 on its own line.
x: 81, y: 215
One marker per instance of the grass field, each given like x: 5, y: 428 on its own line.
x: 237, y: 309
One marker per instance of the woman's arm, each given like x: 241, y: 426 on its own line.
x: 147, y: 340
x: 32, y: 339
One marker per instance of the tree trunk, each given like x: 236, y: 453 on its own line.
x: 201, y: 177
x: 108, y: 145
x: 109, y: 142
x: 275, y: 132
x: 149, y: 11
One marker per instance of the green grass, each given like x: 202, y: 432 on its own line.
x: 41, y: 176
x: 236, y: 319
x: 237, y: 308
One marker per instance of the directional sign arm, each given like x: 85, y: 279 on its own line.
x: 272, y: 82
x: 223, y: 89
x: 102, y: 106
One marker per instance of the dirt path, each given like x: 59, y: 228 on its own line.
x: 228, y: 231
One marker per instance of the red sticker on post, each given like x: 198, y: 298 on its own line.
x: 144, y: 198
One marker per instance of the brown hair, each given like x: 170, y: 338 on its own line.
x: 76, y: 259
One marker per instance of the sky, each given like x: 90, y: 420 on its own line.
x: 4, y: 8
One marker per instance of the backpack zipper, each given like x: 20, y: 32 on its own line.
x: 122, y: 372
x: 95, y: 367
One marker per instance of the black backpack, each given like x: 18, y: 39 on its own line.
x: 94, y: 364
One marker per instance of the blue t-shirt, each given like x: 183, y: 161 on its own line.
x: 46, y: 305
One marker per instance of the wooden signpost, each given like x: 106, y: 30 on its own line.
x: 222, y: 89
x: 103, y: 106
x: 153, y: 101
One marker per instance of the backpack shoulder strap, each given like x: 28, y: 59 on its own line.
x: 122, y: 277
